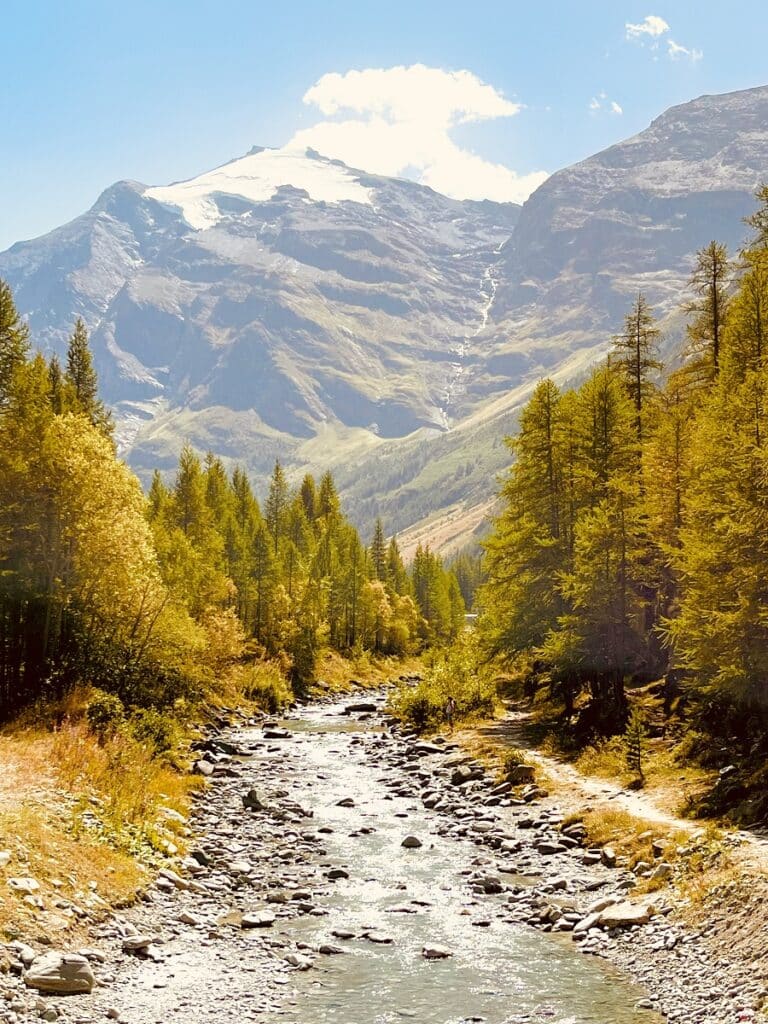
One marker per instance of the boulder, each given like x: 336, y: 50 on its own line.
x: 25, y: 885
x: 625, y: 914
x: 360, y: 706
x: 608, y: 856
x: 258, y: 919
x: 301, y: 963
x: 411, y: 843
x: 435, y: 953
x: 253, y: 802
x: 548, y: 848
x: 60, y: 974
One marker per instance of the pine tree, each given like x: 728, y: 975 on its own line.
x: 56, y: 385
x: 14, y: 341
x: 709, y: 309
x: 276, y: 507
x: 634, y: 354
x: 264, y: 579
x: 378, y: 552
x: 397, y: 574
x: 531, y: 540
x: 81, y: 376
x: 746, y: 331
x: 758, y: 221
x: 308, y: 492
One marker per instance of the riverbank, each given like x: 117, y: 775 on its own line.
x: 86, y: 821
x: 298, y: 902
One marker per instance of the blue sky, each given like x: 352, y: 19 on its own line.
x: 96, y: 91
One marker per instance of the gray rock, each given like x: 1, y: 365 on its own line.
x: 258, y: 919
x: 625, y: 914
x: 435, y: 953
x: 411, y: 843
x: 60, y: 974
x: 252, y: 801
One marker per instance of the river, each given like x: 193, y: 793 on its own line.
x: 339, y: 797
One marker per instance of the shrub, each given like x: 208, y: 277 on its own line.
x: 266, y: 685
x: 456, y: 673
x: 105, y: 714
x: 155, y: 729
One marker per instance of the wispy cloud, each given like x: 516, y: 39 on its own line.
x: 652, y: 26
x: 399, y: 120
x: 676, y: 51
x: 652, y: 31
x: 602, y: 103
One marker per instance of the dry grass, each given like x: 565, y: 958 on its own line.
x: 83, y: 819
x: 672, y: 785
x: 335, y: 673
x: 122, y: 784
x: 76, y: 873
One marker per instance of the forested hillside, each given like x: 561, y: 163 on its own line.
x: 158, y: 599
x: 632, y: 545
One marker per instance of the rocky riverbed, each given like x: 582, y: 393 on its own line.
x: 344, y: 871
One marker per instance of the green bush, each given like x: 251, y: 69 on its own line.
x: 155, y: 730
x: 105, y: 714
x: 266, y: 685
x: 457, y: 672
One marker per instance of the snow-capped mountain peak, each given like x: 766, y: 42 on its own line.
x: 256, y: 177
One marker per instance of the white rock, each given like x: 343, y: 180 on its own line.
x: 25, y: 885
x: 60, y: 973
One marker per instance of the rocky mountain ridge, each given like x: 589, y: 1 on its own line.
x: 285, y: 305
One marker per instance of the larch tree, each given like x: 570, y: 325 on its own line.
x: 708, y: 311
x: 14, y: 341
x: 635, y: 352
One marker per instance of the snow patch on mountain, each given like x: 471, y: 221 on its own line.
x: 257, y: 177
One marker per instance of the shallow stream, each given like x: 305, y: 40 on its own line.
x: 497, y: 973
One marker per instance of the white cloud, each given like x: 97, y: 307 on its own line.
x: 676, y: 51
x: 398, y: 121
x: 651, y: 30
x: 601, y: 102
x: 652, y: 26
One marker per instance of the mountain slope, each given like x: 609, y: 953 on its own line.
x: 286, y: 305
x: 279, y: 296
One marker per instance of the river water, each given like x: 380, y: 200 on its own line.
x: 499, y: 973
x: 205, y: 968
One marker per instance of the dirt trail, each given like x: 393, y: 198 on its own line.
x: 575, y: 789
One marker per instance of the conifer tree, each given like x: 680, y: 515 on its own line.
x: 308, y: 492
x: 276, y: 507
x: 709, y: 309
x: 81, y: 376
x: 634, y: 354
x: 397, y: 574
x: 379, y: 552
x: 14, y: 341
x: 758, y: 221
x: 56, y: 385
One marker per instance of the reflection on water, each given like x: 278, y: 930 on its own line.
x: 499, y: 973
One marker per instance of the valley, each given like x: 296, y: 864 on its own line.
x: 288, y: 306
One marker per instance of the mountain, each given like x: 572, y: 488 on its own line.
x: 628, y: 219
x: 280, y: 299
x: 287, y: 305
